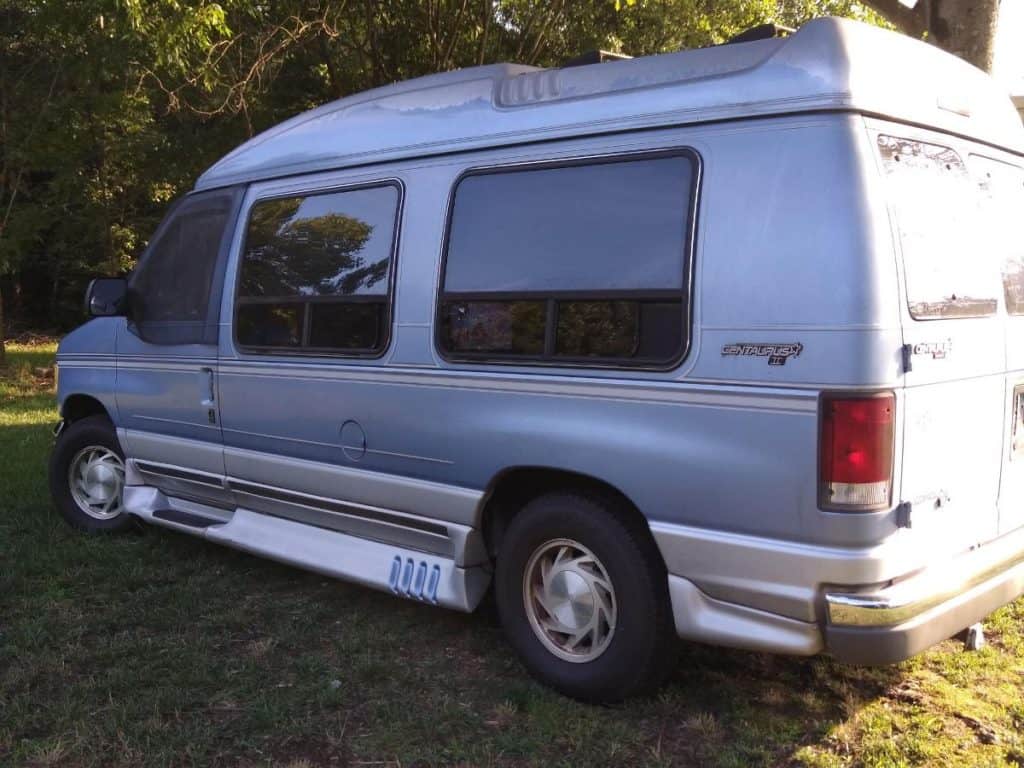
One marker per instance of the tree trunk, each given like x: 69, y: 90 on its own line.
x: 966, y: 28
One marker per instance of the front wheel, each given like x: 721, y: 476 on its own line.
x: 87, y: 476
x: 583, y: 597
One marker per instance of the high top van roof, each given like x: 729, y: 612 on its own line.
x: 829, y: 64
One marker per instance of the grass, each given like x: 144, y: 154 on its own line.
x: 159, y: 649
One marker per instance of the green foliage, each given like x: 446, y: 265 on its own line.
x: 110, y: 108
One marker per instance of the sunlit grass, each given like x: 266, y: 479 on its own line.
x: 26, y: 385
x: 159, y: 649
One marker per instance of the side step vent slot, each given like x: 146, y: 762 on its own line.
x: 415, y: 580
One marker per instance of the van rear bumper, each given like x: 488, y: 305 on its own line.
x: 870, y: 605
x: 895, y: 622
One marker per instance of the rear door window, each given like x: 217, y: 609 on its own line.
x: 582, y: 263
x: 949, y: 271
x: 1001, y: 189
x: 316, y: 270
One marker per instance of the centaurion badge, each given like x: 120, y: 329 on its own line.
x: 777, y: 354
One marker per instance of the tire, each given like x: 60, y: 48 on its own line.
x: 577, y: 544
x: 91, y: 445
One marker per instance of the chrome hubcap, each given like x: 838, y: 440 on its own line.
x: 569, y: 600
x: 96, y: 479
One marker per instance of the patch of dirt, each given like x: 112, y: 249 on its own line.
x: 985, y: 734
x: 906, y: 692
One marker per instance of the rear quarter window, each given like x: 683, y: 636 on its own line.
x: 583, y: 263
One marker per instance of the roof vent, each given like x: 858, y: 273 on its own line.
x: 594, y: 57
x: 762, y: 32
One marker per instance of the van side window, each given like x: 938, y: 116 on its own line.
x: 583, y: 263
x: 316, y: 272
x: 1001, y: 186
x: 940, y: 227
x: 175, y: 291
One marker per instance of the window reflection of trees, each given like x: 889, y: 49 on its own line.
x: 583, y: 328
x: 514, y: 327
x: 315, y: 272
x: 598, y: 328
x: 287, y: 255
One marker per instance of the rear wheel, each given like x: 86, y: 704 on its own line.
x: 583, y: 597
x: 87, y: 476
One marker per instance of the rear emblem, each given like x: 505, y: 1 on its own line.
x: 777, y: 354
x: 937, y: 349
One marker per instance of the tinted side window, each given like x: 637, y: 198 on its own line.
x: 315, y: 272
x: 175, y: 288
x: 581, y: 263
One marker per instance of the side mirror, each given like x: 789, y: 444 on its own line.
x: 107, y: 297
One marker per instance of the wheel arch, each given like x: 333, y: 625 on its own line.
x: 78, y: 406
x: 512, y: 488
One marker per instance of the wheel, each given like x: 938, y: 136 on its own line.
x: 87, y: 476
x: 583, y: 598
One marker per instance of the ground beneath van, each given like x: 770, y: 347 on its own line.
x: 155, y: 648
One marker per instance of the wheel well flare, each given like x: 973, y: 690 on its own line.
x: 513, y: 488
x: 77, y: 407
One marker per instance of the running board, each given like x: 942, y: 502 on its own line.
x: 404, y: 572
x: 181, y: 517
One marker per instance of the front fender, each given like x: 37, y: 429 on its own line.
x: 87, y: 364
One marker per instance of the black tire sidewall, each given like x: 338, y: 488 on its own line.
x: 629, y: 665
x: 93, y: 430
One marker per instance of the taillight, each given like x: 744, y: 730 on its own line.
x: 856, y: 451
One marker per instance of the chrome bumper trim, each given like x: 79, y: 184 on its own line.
x: 981, y: 568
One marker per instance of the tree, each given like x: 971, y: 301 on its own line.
x: 966, y: 28
x: 109, y: 109
x: 84, y: 149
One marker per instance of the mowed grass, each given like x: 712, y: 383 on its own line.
x: 154, y: 648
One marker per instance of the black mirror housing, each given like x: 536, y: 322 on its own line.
x: 107, y: 297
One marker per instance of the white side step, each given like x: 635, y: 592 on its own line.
x: 404, y: 572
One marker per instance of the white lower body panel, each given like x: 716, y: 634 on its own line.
x: 404, y: 572
x: 707, y: 620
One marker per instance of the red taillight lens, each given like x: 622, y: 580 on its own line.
x: 856, y: 451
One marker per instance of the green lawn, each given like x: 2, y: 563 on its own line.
x: 159, y: 649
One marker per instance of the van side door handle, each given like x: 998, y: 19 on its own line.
x: 208, y: 392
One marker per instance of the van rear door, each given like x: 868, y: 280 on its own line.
x: 954, y: 402
x: 1000, y: 184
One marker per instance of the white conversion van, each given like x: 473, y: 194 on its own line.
x: 725, y: 344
